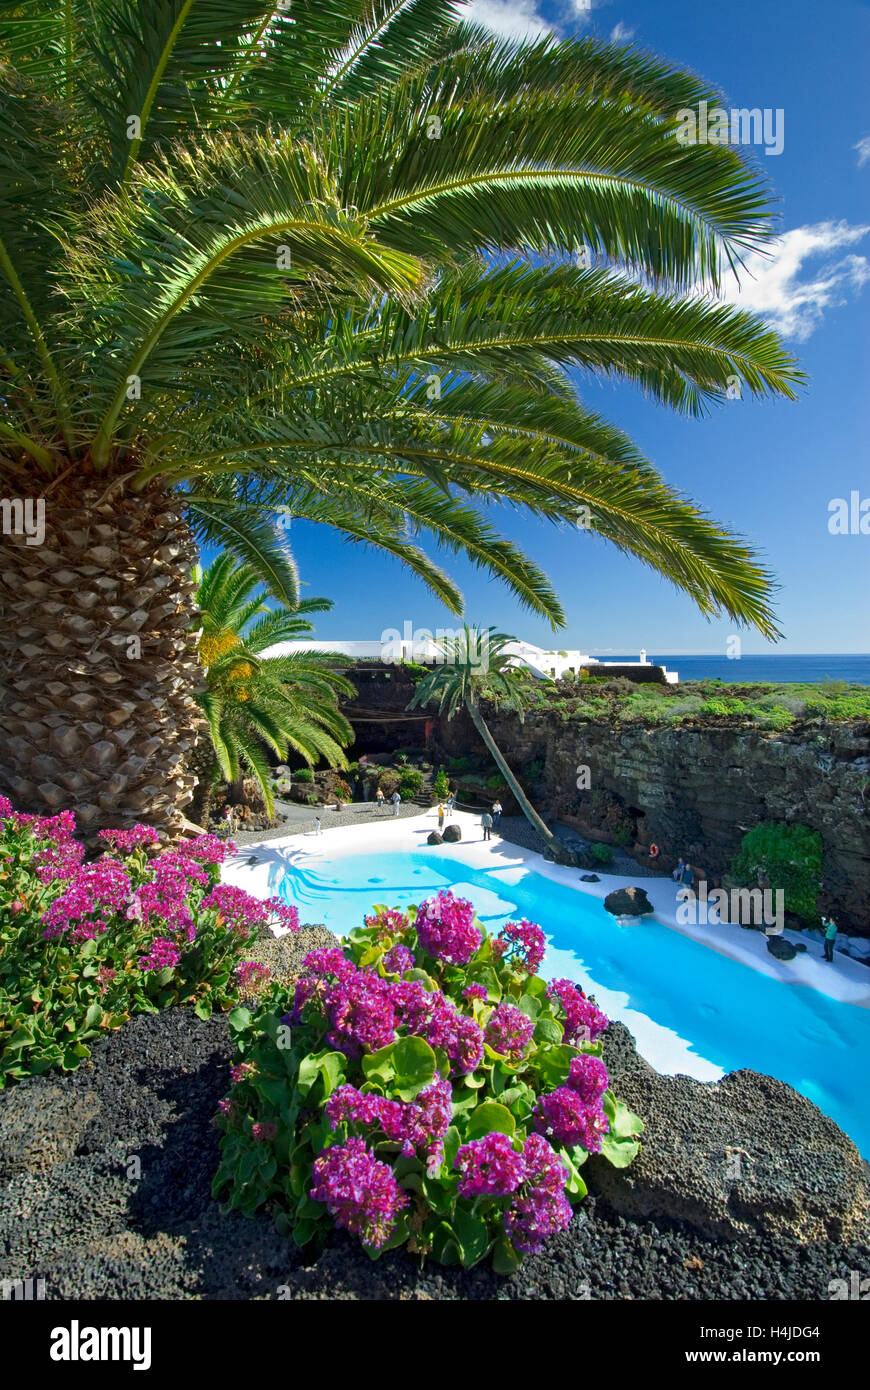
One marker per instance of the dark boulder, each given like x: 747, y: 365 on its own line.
x: 741, y: 1156
x: 628, y: 902
x: 452, y: 834
x: 782, y: 949
x: 589, y: 878
x: 433, y: 838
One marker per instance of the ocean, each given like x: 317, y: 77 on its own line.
x: 855, y: 669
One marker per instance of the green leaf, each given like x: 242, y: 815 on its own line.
x: 619, y: 1151
x: 303, y: 1231
x: 472, y: 1235
x: 379, y: 1067
x: 415, y: 1065
x: 239, y: 1019
x: 623, y: 1122
x: 94, y: 1015
x: 505, y: 1259
x: 491, y: 1117
x: 548, y: 1030
x: 202, y: 1008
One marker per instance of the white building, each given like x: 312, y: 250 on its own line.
x: 422, y: 647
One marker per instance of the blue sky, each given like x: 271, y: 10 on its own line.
x: 766, y: 470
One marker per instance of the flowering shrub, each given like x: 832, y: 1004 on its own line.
x: 425, y: 1087
x: 83, y: 945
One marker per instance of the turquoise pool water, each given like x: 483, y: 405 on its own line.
x: 700, y: 1004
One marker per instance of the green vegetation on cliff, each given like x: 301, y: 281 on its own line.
x: 767, y: 705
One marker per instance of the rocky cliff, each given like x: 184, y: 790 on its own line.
x: 695, y: 790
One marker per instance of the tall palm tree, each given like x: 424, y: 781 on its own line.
x: 254, y: 702
x: 472, y: 666
x: 330, y: 263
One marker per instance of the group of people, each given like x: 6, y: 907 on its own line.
x: 380, y: 801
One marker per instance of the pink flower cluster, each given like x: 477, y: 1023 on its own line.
x: 264, y: 1132
x: 397, y: 960
x: 174, y: 874
x: 163, y: 953
x: 525, y: 944
x: 363, y: 1011
x: 126, y: 841
x: 252, y: 976
x: 541, y: 1210
x: 241, y: 912
x: 359, y: 1191
x: 445, y: 928
x: 489, y: 1167
x: 475, y: 992
x: 60, y: 856
x: 418, y: 1125
x: 508, y: 1031
x: 209, y: 849
x: 433, y: 1017
x: 535, y: 1177
x: 573, y: 1114
x: 94, y: 889
x: 583, y: 1019
x: 391, y: 921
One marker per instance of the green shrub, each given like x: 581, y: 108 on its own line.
x: 410, y: 783
x: 303, y: 774
x: 86, y: 945
x: 441, y: 785
x: 787, y: 857
x: 411, y: 1103
x: 602, y: 854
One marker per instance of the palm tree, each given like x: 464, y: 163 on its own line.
x: 475, y: 665
x: 254, y: 702
x: 331, y: 264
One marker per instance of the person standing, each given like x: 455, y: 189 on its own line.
x: 440, y: 817
x: 486, y: 822
x: 677, y: 874
x: 379, y: 800
x: 318, y: 828
x: 830, y: 927
x: 496, y: 813
x: 397, y: 801
x: 450, y: 803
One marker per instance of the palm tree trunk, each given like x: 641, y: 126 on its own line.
x: 97, y: 659
x: 202, y: 765
x: 525, y: 805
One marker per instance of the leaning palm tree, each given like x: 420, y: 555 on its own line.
x: 330, y: 263
x: 253, y: 703
x: 473, y: 666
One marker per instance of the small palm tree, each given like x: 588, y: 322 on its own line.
x: 477, y: 666
x: 254, y: 702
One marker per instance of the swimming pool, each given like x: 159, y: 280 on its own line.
x: 691, y: 1009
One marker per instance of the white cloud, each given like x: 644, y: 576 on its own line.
x: 795, y: 303
x: 509, y: 19
x: 521, y: 19
x: 863, y: 148
x: 620, y: 33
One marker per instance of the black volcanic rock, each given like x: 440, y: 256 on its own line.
x: 628, y: 902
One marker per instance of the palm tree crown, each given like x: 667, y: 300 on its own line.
x: 332, y: 263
